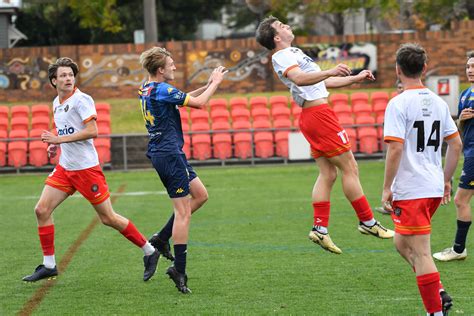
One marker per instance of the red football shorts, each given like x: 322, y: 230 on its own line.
x: 89, y: 182
x: 413, y: 217
x: 321, y: 128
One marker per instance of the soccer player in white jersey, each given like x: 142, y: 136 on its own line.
x: 330, y: 145
x: 417, y: 122
x: 465, y: 190
x: 78, y: 169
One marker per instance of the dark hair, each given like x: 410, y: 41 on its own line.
x: 411, y: 58
x: 470, y: 54
x: 61, y: 62
x: 266, y: 32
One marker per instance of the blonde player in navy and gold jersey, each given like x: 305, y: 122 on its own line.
x: 159, y: 103
x: 78, y: 170
x: 465, y: 191
x: 330, y: 146
x: 415, y: 126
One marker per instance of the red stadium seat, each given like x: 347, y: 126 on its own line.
x: 278, y: 101
x: 280, y: 113
x: 259, y: 114
x: 222, y: 145
x: 218, y: 103
x: 220, y: 115
x: 263, y: 139
x: 103, y: 146
x: 40, y: 110
x: 379, y: 102
x: 38, y: 155
x: 201, y: 146
x: 238, y: 103
x: 4, y: 111
x: 342, y: 110
x: 199, y: 116
x: 20, y: 123
x: 3, y: 124
x: 281, y: 137
x: 259, y: 102
x: 103, y: 125
x: 367, y: 135
x: 338, y: 99
x: 3, y: 148
x: 242, y: 140
x: 102, y: 109
x: 184, y: 114
x: 20, y: 111
x: 359, y: 98
x: 295, y: 113
x: 198, y: 127
x: 40, y: 122
x: 240, y: 114
x: 187, y: 145
x: 362, y: 109
x: 185, y: 126
x: 393, y: 94
x: 379, y: 120
x: 17, y: 150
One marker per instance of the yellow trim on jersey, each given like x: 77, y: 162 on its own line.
x: 186, y: 100
x: 288, y: 69
x: 451, y: 136
x: 393, y: 139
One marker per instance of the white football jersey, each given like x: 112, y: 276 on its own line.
x: 420, y: 120
x: 70, y: 117
x: 286, y: 59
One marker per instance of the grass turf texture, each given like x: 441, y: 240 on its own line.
x: 248, y: 251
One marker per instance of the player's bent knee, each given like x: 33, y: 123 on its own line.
x: 42, y: 211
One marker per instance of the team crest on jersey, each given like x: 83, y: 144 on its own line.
x: 170, y: 90
x: 66, y: 108
x: 463, y: 98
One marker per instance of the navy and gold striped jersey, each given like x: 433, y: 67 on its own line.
x: 159, y: 102
x: 467, y: 101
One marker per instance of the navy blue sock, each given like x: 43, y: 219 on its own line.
x: 461, y: 235
x: 180, y: 257
x: 167, y: 230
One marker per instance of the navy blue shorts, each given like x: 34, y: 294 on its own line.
x: 175, y: 173
x: 467, y: 175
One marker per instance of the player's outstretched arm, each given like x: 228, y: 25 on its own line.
x: 338, y: 82
x: 451, y: 162
x: 90, y: 131
x: 301, y: 78
x: 215, y: 80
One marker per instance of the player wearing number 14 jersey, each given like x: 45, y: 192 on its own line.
x: 416, y: 123
x: 330, y: 145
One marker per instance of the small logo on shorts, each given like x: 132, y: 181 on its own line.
x: 180, y: 190
x: 94, y: 188
x: 397, y: 211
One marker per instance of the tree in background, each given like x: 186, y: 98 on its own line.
x: 73, y: 22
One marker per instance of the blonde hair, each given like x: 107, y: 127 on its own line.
x: 154, y: 58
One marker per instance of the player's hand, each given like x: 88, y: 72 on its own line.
x: 387, y: 198
x: 341, y: 70
x: 217, y: 75
x: 52, y: 150
x: 50, y: 138
x: 466, y: 114
x: 447, y: 193
x: 364, y: 75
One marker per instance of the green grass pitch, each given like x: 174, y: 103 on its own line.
x: 248, y: 251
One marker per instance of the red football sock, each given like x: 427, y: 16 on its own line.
x: 131, y: 233
x: 46, y: 236
x: 321, y: 213
x: 362, y: 208
x: 428, y: 284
